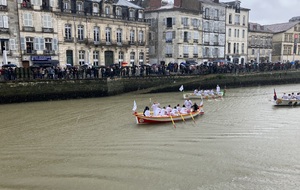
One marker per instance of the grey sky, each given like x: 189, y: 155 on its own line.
x: 270, y: 11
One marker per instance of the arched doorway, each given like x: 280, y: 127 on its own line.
x: 109, y: 58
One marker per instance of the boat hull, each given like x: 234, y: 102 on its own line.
x: 141, y: 119
x: 195, y: 96
x: 283, y: 102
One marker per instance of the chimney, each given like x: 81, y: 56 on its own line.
x: 154, y: 4
x: 216, y: 1
x: 177, y: 3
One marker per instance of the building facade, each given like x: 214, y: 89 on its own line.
x: 236, y: 32
x: 214, y: 33
x: 83, y: 32
x: 286, y: 47
x: 9, y: 33
x: 259, y: 43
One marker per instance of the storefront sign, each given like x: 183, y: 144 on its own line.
x: 40, y: 58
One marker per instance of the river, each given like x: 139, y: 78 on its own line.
x: 241, y: 142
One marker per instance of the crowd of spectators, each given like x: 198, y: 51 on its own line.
x: 115, y: 71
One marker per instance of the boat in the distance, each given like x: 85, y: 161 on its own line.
x: 141, y: 119
x: 287, y: 100
x: 203, y: 95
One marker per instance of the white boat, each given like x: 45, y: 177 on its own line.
x: 202, y: 95
x: 286, y: 102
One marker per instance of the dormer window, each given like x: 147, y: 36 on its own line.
x: 119, y: 11
x: 107, y: 10
x: 79, y: 6
x: 95, y: 8
x: 67, y: 5
x: 141, y: 15
x: 131, y: 13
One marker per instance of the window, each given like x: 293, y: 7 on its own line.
x: 216, y: 15
x: 216, y: 52
x: 108, y: 35
x: 229, y: 32
x: 196, y: 36
x: 186, y: 51
x: 184, y: 21
x: 253, y: 51
x: 141, y: 15
x: 229, y: 48
x: 238, y: 33
x: 230, y: 19
x: 243, y: 34
x: 216, y: 40
x: 79, y: 6
x: 141, y: 58
x: 80, y: 32
x: 243, y: 48
x: 131, y: 14
x: 206, y: 13
x: 95, y: 9
x: 195, y: 23
x: 95, y: 58
x: 48, y: 44
x: 81, y: 57
x: 27, y: 18
x: 169, y: 50
x: 107, y: 10
x: 186, y: 36
x: 67, y: 5
x: 68, y: 34
x: 141, y: 36
x: 4, y: 21
x: 96, y: 34
x: 195, y: 51
x: 29, y: 45
x: 47, y: 21
x: 12, y: 43
x: 119, y: 11
x: 237, y: 20
x: 244, y: 20
x: 3, y: 2
x: 170, y: 22
x: 132, y: 36
x: 121, y: 57
x: 206, y: 26
x: 206, y: 52
x: 132, y: 58
x: 119, y: 36
x: 169, y: 36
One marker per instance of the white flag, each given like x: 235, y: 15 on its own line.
x: 201, y: 103
x: 181, y: 88
x: 134, y: 106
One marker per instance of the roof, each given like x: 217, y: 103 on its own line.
x: 167, y: 6
x: 212, y: 3
x: 255, y: 27
x: 127, y: 4
x: 281, y: 27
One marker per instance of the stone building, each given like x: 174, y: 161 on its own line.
x: 236, y: 32
x: 286, y: 46
x: 259, y: 43
x: 83, y: 32
x: 9, y: 33
x: 38, y: 32
x: 188, y: 30
x: 214, y: 33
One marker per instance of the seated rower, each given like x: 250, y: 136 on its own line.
x: 298, y: 96
x: 285, y: 97
x: 147, y: 112
x: 195, y: 107
x: 163, y: 111
x: 174, y: 111
x: 183, y: 110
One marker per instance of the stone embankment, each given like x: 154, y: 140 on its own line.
x: 44, y: 90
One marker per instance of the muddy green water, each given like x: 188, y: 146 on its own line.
x: 242, y: 142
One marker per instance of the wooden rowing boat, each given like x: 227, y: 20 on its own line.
x: 285, y: 102
x: 141, y: 119
x: 204, y: 96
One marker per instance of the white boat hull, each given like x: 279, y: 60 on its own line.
x: 283, y: 102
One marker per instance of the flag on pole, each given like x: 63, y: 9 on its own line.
x: 134, y: 106
x: 275, y: 96
x: 181, y: 88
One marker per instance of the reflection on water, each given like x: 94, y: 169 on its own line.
x: 242, y: 142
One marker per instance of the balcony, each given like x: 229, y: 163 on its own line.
x: 96, y: 43
x: 46, y: 8
x: 30, y: 52
x: 28, y: 29
x: 82, y: 40
x: 195, y: 40
x: 185, y: 55
x: 67, y: 11
x: 4, y: 30
x: 195, y: 56
x: 49, y: 52
x: 68, y: 39
x: 169, y: 41
x: 141, y: 43
x: 47, y: 30
x: 3, y: 8
x: 169, y: 55
x: 131, y: 42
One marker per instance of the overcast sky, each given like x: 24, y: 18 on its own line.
x: 270, y: 11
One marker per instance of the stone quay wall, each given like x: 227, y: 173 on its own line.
x: 44, y: 90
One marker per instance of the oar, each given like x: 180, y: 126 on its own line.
x: 173, y: 121
x: 182, y: 117
x: 192, y: 117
